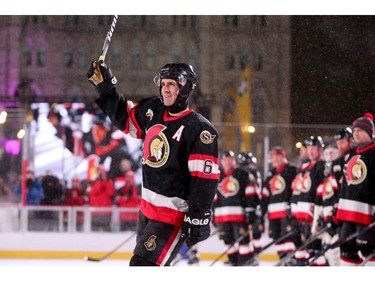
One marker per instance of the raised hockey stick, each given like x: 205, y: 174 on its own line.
x: 107, y: 40
x: 310, y: 240
x: 339, y: 243
x: 257, y: 253
x: 239, y: 239
x: 87, y: 258
x: 187, y: 251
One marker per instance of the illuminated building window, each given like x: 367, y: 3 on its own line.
x: 135, y: 56
x: 230, y: 59
x: 150, y: 57
x: 244, y: 58
x: 177, y: 54
x: 116, y: 56
x: 68, y: 56
x: 41, y: 56
x: 258, y: 59
x: 27, y: 55
x: 82, y: 57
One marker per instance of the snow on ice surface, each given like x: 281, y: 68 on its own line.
x: 118, y: 269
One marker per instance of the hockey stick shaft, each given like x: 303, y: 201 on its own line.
x: 366, y: 260
x: 113, y: 251
x: 285, y: 236
x: 310, y: 240
x: 108, y: 38
x: 239, y: 239
x: 339, y: 243
x: 188, y: 250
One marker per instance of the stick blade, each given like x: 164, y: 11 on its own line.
x: 86, y: 258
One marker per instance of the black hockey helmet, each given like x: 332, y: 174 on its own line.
x: 246, y: 158
x: 227, y: 153
x: 186, y: 78
x: 181, y: 72
x: 305, y: 142
x: 315, y: 140
x: 343, y: 133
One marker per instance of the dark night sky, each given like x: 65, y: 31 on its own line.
x: 333, y: 70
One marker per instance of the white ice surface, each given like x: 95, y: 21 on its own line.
x: 118, y: 269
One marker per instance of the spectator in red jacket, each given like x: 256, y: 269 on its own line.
x: 128, y: 197
x: 75, y: 198
x: 101, y: 194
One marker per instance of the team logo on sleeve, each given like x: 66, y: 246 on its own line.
x: 156, y: 147
x: 277, y: 184
x: 150, y: 114
x: 206, y: 137
x: 356, y: 170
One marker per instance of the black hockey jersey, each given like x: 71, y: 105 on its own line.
x: 277, y: 191
x: 304, y: 190
x: 329, y: 189
x: 357, y: 200
x: 180, y: 156
x: 235, y: 196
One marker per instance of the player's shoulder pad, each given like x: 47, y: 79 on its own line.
x: 150, y: 100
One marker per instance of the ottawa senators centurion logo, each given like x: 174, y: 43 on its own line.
x: 156, y: 147
x: 277, y: 184
x: 356, y: 170
x: 306, y: 185
x: 229, y: 187
x: 297, y: 184
x: 150, y: 244
x: 329, y: 186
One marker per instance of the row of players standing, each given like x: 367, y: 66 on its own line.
x: 330, y: 193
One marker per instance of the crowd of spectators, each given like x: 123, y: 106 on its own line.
x: 49, y: 190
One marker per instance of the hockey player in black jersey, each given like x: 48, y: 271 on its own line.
x: 276, y: 194
x: 180, y: 169
x: 326, y: 198
x: 248, y: 161
x: 330, y: 193
x: 303, y: 198
x: 234, y: 209
x: 356, y: 207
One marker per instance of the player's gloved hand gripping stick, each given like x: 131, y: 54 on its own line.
x: 103, y: 53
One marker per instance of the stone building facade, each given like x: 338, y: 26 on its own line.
x: 45, y: 58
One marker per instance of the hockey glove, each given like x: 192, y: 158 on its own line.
x: 366, y: 241
x: 332, y: 226
x: 100, y: 75
x: 196, y: 227
x: 305, y: 230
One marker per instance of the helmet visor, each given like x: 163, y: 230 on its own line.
x: 167, y: 73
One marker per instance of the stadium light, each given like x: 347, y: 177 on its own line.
x: 21, y: 134
x: 298, y: 144
x: 251, y: 129
x: 3, y: 117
